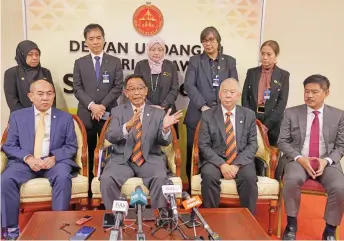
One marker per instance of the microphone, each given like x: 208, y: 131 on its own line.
x: 170, y: 190
x: 120, y: 210
x: 193, y: 203
x: 138, y: 199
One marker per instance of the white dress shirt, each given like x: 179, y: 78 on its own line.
x: 322, y: 145
x: 94, y: 65
x: 126, y: 133
x: 47, y: 122
x: 232, y: 117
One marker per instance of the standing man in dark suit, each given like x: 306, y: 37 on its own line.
x: 312, y: 142
x: 266, y: 90
x: 227, y: 144
x: 41, y: 142
x: 137, y: 131
x: 202, y: 80
x: 97, y: 82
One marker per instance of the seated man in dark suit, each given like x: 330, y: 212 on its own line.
x: 137, y: 132
x: 41, y: 142
x: 228, y: 144
x: 312, y: 142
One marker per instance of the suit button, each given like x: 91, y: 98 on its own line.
x: 275, y: 100
x: 97, y: 89
x: 249, y: 86
x: 249, y: 97
x: 272, y: 110
x: 279, y: 89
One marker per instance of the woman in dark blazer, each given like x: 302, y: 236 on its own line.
x: 160, y: 75
x: 202, y: 81
x: 266, y: 90
x: 17, y: 79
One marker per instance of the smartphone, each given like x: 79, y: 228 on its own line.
x: 83, y: 220
x: 108, y: 220
x: 83, y: 233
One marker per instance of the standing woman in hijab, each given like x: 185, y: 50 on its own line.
x: 160, y: 75
x: 266, y: 90
x: 17, y: 79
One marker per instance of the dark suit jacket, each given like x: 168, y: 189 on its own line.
x: 169, y: 89
x: 87, y: 88
x: 293, y: 132
x: 16, y: 89
x: 212, y: 136
x: 199, y: 84
x: 152, y: 138
x: 21, y: 136
x: 275, y: 106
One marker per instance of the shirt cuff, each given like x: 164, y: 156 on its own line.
x: 89, y: 105
x: 297, y: 157
x: 329, y: 160
x: 26, y: 157
x: 165, y: 136
x: 125, y: 132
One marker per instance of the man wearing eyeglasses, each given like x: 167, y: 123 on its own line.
x: 137, y: 131
x: 202, y: 80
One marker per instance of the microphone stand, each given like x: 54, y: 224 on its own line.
x: 193, y: 221
x: 116, y: 233
x: 171, y: 223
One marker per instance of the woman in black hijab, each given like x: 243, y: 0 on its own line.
x: 17, y: 79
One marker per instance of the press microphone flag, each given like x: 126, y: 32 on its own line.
x: 138, y: 197
x: 169, y: 190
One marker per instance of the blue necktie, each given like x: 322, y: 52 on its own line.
x: 97, y: 58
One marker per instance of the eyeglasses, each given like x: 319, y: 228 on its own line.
x: 210, y: 40
x: 139, y: 89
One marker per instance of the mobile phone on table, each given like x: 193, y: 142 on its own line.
x: 83, y: 233
x: 83, y: 220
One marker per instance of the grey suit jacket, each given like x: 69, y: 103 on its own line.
x: 293, y: 132
x: 169, y: 86
x: 199, y: 84
x: 87, y: 88
x: 152, y: 138
x: 212, y: 136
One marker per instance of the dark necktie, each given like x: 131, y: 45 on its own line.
x: 314, y: 136
x: 230, y: 140
x: 97, y: 58
x: 137, y: 156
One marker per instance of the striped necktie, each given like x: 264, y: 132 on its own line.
x: 137, y: 156
x: 230, y: 140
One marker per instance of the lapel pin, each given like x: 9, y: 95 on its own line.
x: 22, y: 78
x: 54, y: 117
x: 222, y: 58
x: 147, y: 114
x: 218, y: 67
x: 275, y: 81
x: 241, y: 122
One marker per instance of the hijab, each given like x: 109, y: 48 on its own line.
x: 155, y: 66
x: 24, y: 70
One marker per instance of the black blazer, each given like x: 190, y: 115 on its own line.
x: 275, y: 106
x: 87, y: 88
x: 169, y: 87
x: 16, y: 89
x: 199, y: 84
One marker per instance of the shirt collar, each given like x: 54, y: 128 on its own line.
x: 141, y: 107
x: 310, y: 110
x: 37, y: 112
x: 224, y: 111
x: 100, y: 55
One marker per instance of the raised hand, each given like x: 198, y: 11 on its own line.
x: 170, y: 120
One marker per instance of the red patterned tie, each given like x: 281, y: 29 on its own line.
x: 137, y: 156
x: 314, y: 136
x: 230, y: 140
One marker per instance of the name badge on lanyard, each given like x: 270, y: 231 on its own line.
x: 267, y: 94
x: 106, y: 77
x: 216, y: 81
